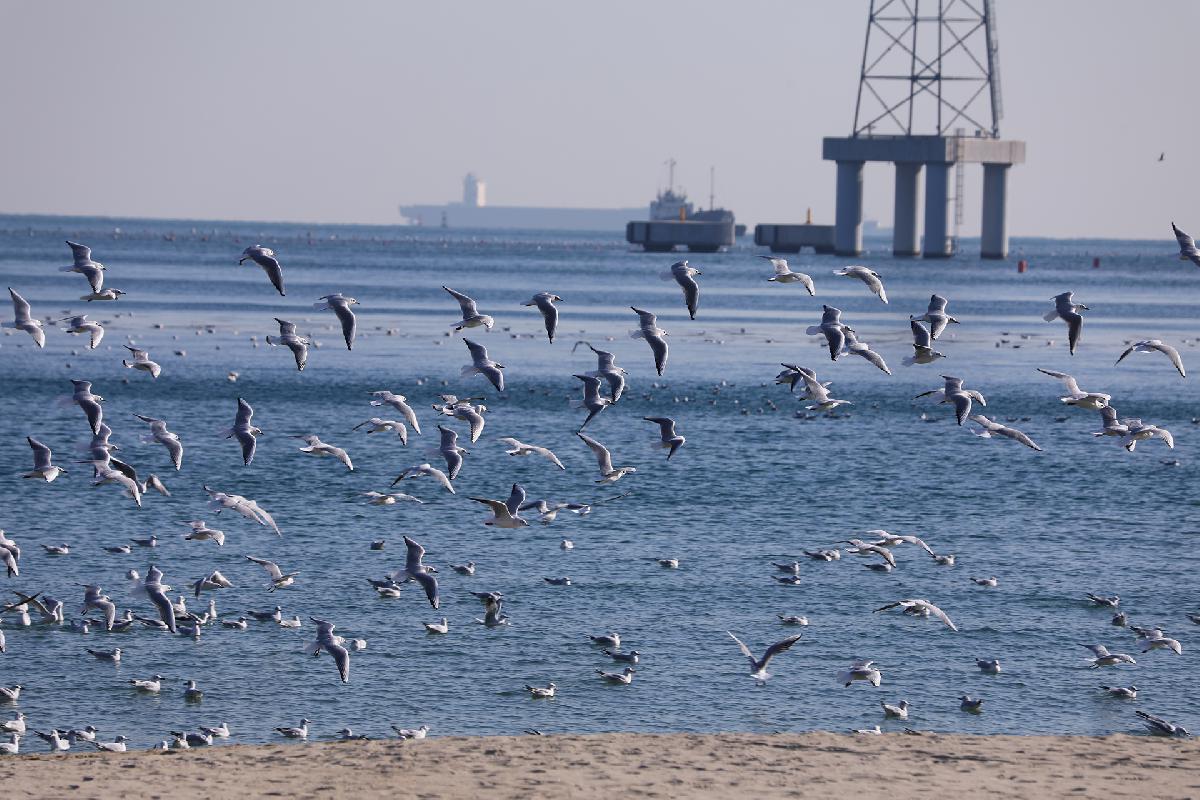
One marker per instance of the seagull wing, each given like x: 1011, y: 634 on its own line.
x: 349, y: 324
x: 41, y: 453
x: 465, y: 303
x: 244, y: 413
x: 603, y: 457
x: 429, y: 583
x: 1172, y: 354
x: 83, y: 254
x: 270, y: 566
x: 742, y: 646
x: 937, y: 612
x: 778, y: 648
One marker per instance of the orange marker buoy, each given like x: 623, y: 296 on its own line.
x: 1022, y: 265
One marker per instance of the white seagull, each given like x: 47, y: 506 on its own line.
x: 655, y: 337
x: 1068, y: 311
x: 685, y: 276
x: 545, y: 304
x: 265, y: 258
x: 991, y: 428
x: 784, y: 274
x: 1187, y: 246
x: 160, y: 435
x: 141, y: 360
x: 340, y: 304
x: 518, y: 448
x: 471, y: 318
x: 400, y: 403
x: 294, y: 342
x: 920, y: 607
x: 758, y: 666
x: 81, y: 324
x: 868, y: 276
x: 482, y: 365
x: 315, y: 447
x: 1155, y: 346
x: 244, y: 431
x: 85, y: 266
x: 608, y: 473
x: 23, y: 319
x: 42, y: 468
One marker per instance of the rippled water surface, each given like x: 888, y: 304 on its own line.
x: 754, y: 484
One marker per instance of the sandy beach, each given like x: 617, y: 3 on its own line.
x: 646, y: 765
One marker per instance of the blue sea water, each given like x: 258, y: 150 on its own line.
x: 754, y: 484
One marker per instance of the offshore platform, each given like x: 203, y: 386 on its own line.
x: 928, y: 102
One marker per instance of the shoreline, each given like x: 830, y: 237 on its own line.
x: 827, y: 765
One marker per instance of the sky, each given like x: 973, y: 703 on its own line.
x: 338, y: 112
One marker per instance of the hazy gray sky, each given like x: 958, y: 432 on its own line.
x: 336, y: 112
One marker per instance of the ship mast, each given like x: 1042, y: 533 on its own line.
x: 712, y: 187
x: 670, y: 162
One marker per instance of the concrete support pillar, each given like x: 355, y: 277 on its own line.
x: 994, y: 231
x: 908, y: 192
x: 937, y: 210
x: 848, y: 227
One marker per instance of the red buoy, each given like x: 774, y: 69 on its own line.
x: 1096, y: 262
x: 1022, y: 265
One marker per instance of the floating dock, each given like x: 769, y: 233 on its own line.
x: 662, y: 236
x: 790, y: 238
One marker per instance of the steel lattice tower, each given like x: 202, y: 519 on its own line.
x: 928, y: 68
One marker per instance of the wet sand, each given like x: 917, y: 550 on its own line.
x: 641, y: 765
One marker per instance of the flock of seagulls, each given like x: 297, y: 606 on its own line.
x: 601, y: 389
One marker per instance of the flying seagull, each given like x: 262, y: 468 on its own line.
x: 288, y: 338
x: 592, y: 400
x: 1187, y: 245
x: 607, y: 368
x: 141, y: 360
x: 784, y: 274
x: 608, y: 473
x: 655, y: 337
x: 922, y: 352
x: 244, y: 431
x: 1155, y: 346
x: 85, y: 266
x: 991, y: 428
x: 81, y: 324
x: 23, y: 319
x: 545, y: 304
x: 332, y: 644
x: 920, y: 607
x: 265, y: 258
x: 1068, y: 311
x: 685, y: 276
x: 668, y: 438
x: 482, y: 365
x: 519, y: 448
x: 471, y: 318
x: 758, y: 667
x: 340, y: 304
x: 42, y: 468
x: 833, y: 329
x: 936, y: 316
x: 868, y: 276
x: 414, y: 570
